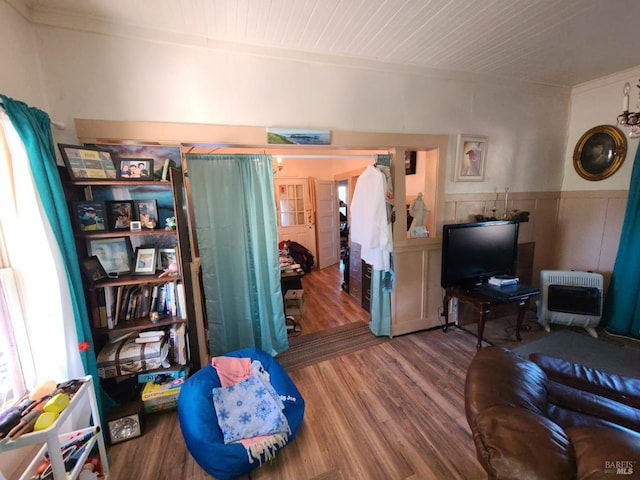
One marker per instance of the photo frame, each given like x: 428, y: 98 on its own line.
x: 146, y: 259
x: 136, y: 226
x: 600, y: 152
x: 119, y: 213
x: 93, y: 270
x: 90, y: 216
x: 471, y: 158
x: 114, y: 253
x: 168, y: 260
x: 134, y: 169
x: 164, y: 156
x: 88, y: 163
x: 410, y: 157
x: 146, y: 211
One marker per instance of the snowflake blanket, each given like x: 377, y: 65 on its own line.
x: 250, y: 408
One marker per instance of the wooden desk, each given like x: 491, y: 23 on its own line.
x: 482, y: 305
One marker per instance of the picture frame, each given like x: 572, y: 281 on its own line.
x: 146, y: 260
x: 92, y: 270
x: 136, y: 226
x: 164, y: 156
x: 88, y: 163
x: 410, y: 157
x: 600, y: 152
x: 120, y: 213
x: 135, y: 169
x: 90, y: 216
x: 471, y: 158
x: 114, y: 253
x: 168, y: 260
x: 146, y: 211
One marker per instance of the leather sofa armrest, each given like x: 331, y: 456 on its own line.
x: 605, y: 453
x: 625, y: 390
x: 516, y: 443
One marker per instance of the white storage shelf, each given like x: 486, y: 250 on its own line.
x: 51, y: 439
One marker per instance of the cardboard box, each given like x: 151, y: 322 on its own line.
x: 158, y: 390
x: 126, y: 356
x: 173, y: 372
x: 294, y: 302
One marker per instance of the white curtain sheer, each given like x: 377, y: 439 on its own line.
x: 32, y: 253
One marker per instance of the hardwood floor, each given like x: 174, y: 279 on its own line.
x: 392, y: 411
x: 327, y: 305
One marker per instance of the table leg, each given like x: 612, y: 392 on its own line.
x: 484, y: 312
x: 522, y: 308
x: 445, y: 311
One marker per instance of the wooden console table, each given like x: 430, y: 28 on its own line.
x: 482, y: 304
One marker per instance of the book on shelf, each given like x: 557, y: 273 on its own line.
x: 178, y: 342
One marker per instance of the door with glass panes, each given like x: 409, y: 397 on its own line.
x: 295, y: 220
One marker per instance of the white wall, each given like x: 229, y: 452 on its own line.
x: 599, y: 103
x: 107, y: 77
x: 21, y: 75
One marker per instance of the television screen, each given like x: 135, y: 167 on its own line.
x: 474, y: 252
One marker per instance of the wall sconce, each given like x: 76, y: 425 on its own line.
x: 627, y: 118
x: 278, y: 168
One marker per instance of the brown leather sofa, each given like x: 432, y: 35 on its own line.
x: 545, y: 418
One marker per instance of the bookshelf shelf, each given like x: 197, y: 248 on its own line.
x: 135, y: 280
x: 138, y: 324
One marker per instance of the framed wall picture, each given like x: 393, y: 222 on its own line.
x: 90, y: 216
x: 146, y: 211
x: 135, y: 168
x: 119, y: 214
x: 114, y: 253
x: 146, y: 259
x: 600, y: 152
x: 93, y: 270
x: 88, y: 163
x: 471, y: 158
x: 410, y: 158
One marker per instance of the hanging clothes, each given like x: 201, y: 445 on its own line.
x: 369, y: 224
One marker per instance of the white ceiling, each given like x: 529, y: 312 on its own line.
x: 553, y: 42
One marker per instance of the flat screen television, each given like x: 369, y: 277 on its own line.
x: 474, y: 252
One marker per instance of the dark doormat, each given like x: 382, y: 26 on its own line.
x: 578, y: 347
x: 320, y: 346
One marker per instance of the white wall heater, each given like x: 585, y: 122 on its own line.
x: 571, y: 298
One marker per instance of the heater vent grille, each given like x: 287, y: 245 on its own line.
x: 570, y: 297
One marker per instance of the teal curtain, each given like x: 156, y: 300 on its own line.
x: 382, y: 282
x: 236, y: 228
x: 34, y: 128
x: 622, y: 305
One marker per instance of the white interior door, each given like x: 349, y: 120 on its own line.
x: 327, y: 223
x: 293, y: 215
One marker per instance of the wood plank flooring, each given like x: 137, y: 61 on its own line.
x: 391, y: 411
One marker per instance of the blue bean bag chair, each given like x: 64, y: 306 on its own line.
x: 199, y: 423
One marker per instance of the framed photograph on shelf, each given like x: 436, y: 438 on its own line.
x: 93, y: 270
x: 600, y: 152
x: 471, y: 158
x: 114, y: 253
x: 168, y: 261
x: 135, y: 168
x: 87, y: 163
x: 146, y: 259
x: 146, y: 211
x: 90, y: 216
x: 120, y: 213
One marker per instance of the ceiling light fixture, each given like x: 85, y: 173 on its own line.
x: 627, y: 118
